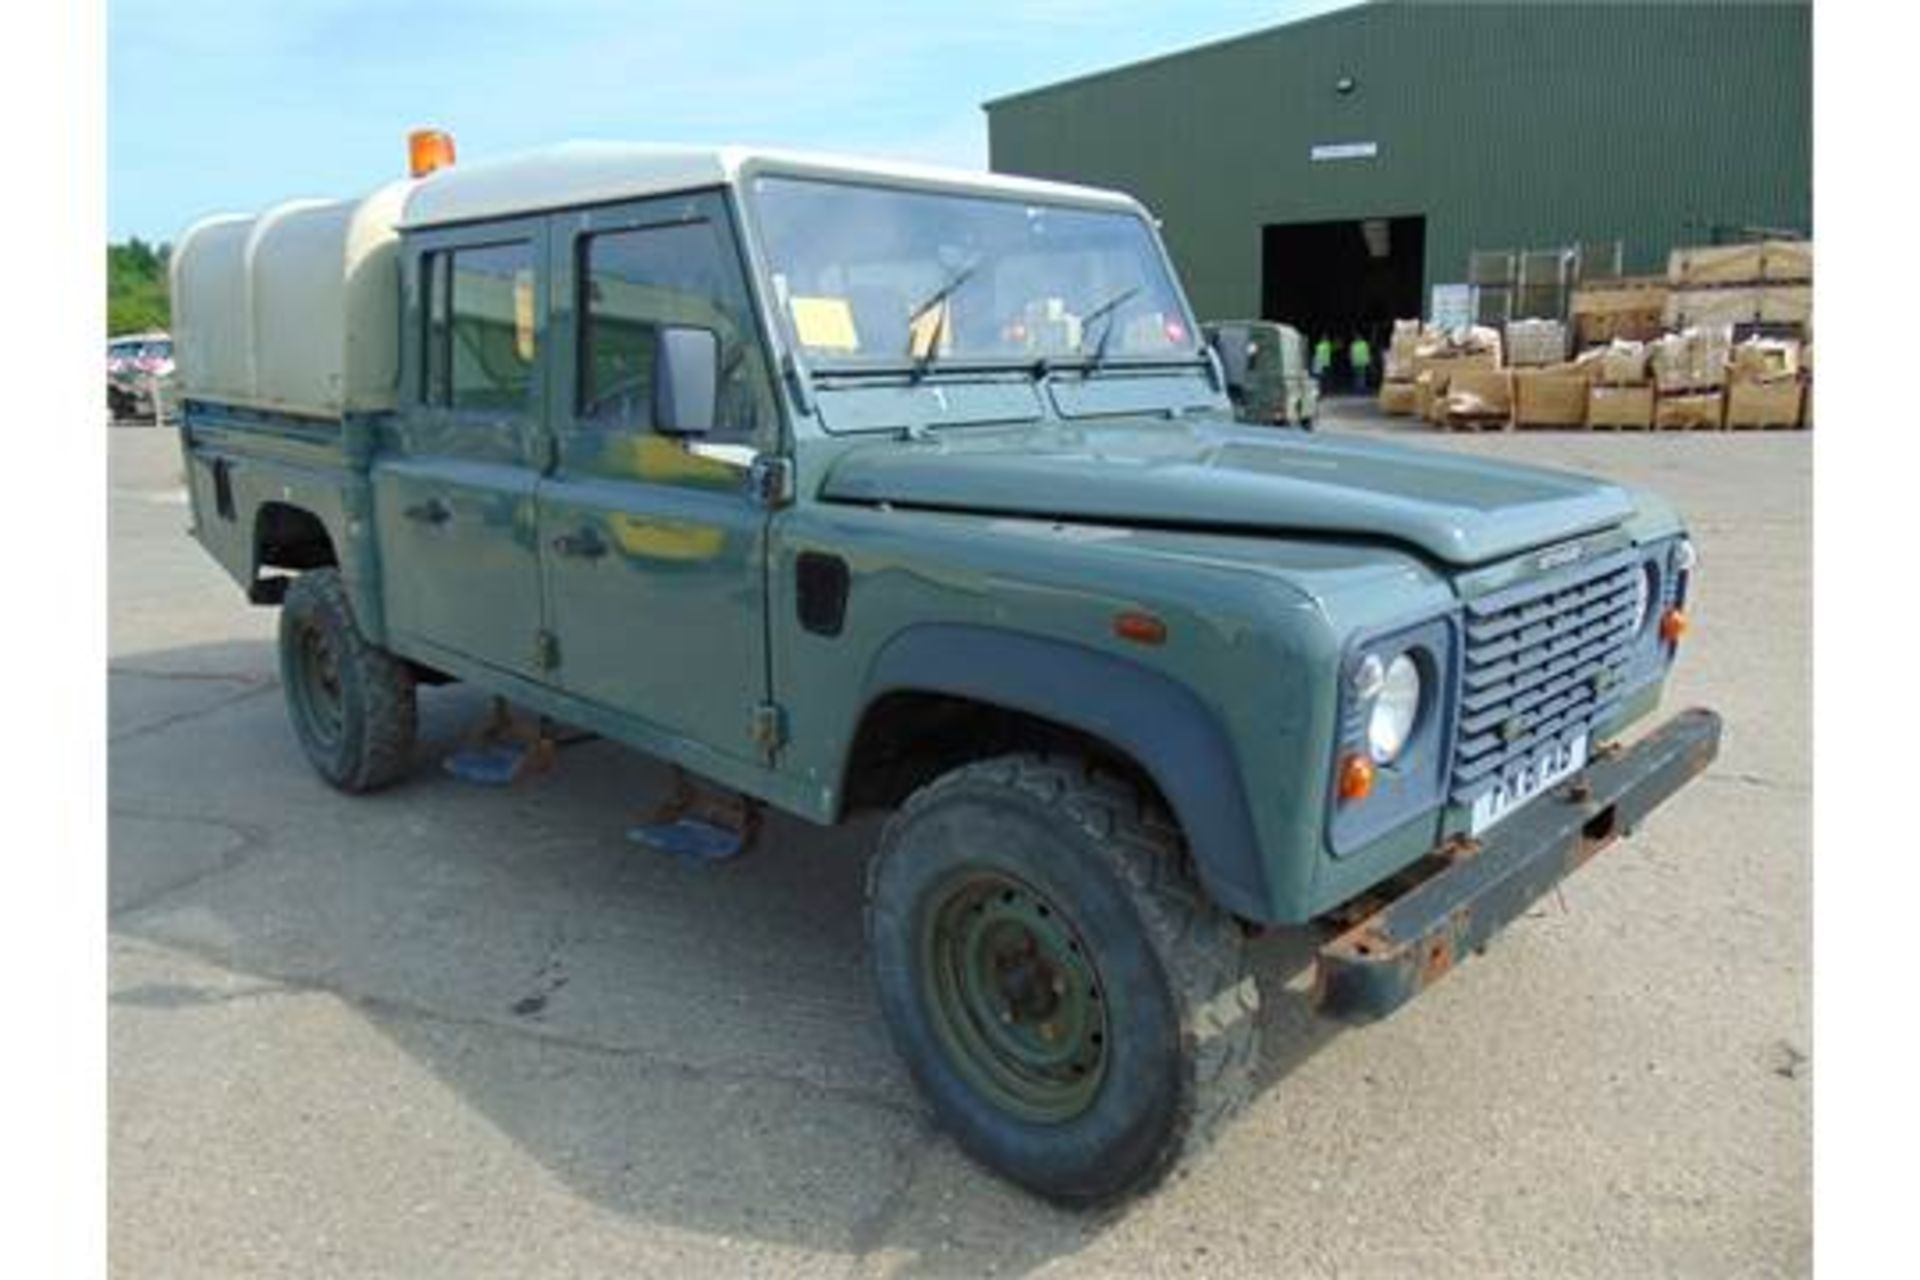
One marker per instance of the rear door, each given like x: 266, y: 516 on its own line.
x: 454, y: 486
x: 654, y: 550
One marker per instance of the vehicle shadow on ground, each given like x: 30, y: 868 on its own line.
x: 692, y: 1045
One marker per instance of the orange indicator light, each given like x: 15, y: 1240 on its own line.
x: 1141, y: 628
x: 1356, y: 778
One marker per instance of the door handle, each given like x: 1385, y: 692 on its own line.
x: 432, y: 511
x: 586, y: 544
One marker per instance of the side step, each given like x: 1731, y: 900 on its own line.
x: 504, y: 749
x: 699, y: 822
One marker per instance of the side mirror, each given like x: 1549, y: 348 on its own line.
x: 1231, y: 346
x: 686, y: 380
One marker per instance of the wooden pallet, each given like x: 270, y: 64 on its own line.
x: 1476, y: 422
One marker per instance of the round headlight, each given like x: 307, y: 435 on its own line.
x: 1395, y: 709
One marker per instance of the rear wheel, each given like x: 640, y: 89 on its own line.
x: 1076, y: 1013
x: 351, y: 702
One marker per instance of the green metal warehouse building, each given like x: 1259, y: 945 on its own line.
x: 1332, y: 171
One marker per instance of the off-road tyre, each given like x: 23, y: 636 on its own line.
x: 1047, y: 834
x: 352, y: 703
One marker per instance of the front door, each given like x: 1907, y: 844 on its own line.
x: 454, y: 489
x: 654, y: 551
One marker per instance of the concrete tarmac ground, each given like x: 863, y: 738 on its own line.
x: 448, y: 1030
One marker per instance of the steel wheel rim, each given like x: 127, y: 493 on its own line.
x: 316, y: 668
x: 1015, y: 997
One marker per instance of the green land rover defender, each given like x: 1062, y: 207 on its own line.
x: 847, y: 486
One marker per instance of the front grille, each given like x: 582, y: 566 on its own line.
x: 1543, y: 662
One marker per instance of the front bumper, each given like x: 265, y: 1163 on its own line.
x: 1409, y: 940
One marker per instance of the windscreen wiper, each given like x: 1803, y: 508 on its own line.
x: 937, y: 298
x: 1107, y: 309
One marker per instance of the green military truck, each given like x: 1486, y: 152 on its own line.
x: 1265, y: 367
x: 848, y: 487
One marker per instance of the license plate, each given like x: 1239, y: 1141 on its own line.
x: 1554, y: 765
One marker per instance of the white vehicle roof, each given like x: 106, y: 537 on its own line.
x: 580, y: 173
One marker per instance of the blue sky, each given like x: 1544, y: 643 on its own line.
x: 233, y: 104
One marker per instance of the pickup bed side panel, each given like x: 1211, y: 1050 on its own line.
x: 240, y: 462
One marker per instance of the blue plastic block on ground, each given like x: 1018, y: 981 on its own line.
x: 490, y: 766
x: 689, y: 839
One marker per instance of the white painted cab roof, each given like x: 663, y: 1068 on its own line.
x: 583, y: 173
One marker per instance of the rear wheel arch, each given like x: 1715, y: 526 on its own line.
x: 289, y: 536
x: 297, y: 535
x: 941, y: 695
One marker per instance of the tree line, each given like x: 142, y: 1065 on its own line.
x: 136, y: 286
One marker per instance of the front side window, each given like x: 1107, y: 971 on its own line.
x: 876, y: 276
x: 635, y: 282
x: 480, y: 332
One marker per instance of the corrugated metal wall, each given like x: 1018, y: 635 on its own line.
x: 1505, y: 125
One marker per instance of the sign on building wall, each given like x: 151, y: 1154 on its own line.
x: 1452, y: 306
x: 1344, y: 151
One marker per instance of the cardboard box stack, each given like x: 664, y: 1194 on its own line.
x: 1422, y: 361
x: 1689, y: 372
x: 1470, y: 378
x: 1479, y: 396
x: 1660, y: 351
x: 1554, y: 396
x: 1631, y: 307
x: 1398, y: 395
x: 1532, y: 343
x: 1768, y: 282
x: 1619, y: 385
x: 1764, y: 384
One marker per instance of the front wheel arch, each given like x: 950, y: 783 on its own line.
x: 1148, y: 721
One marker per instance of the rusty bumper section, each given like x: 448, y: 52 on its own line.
x: 1411, y: 941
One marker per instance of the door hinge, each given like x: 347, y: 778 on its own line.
x: 546, y: 650
x: 770, y: 480
x: 769, y: 728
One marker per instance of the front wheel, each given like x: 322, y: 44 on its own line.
x: 351, y: 702
x: 1075, y: 1012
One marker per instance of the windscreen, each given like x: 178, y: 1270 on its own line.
x: 874, y: 276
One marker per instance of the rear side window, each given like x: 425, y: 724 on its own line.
x: 480, y: 334
x: 633, y: 283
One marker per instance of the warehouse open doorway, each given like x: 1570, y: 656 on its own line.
x: 1338, y: 279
